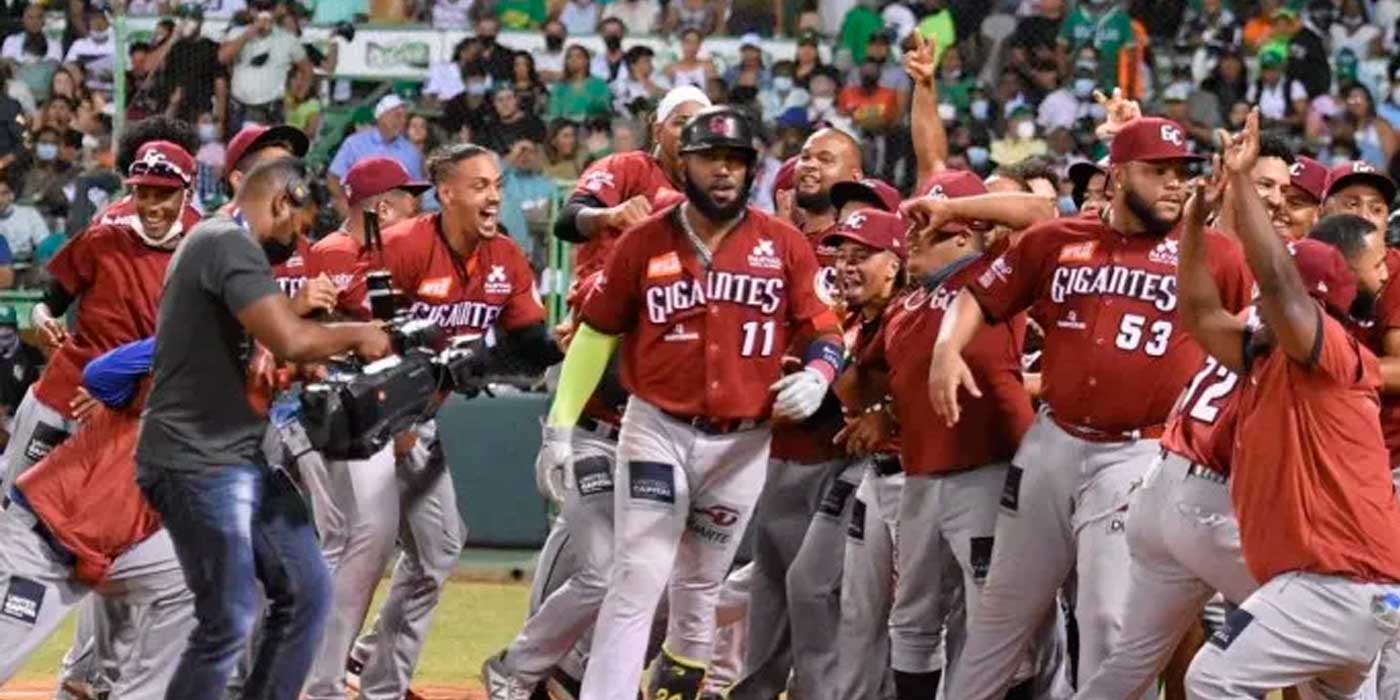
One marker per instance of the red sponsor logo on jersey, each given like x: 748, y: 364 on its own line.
x: 435, y: 287
x: 667, y: 265
x: 1079, y: 252
x: 683, y: 295
x: 1133, y: 283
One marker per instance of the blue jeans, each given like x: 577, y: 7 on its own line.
x: 233, y: 527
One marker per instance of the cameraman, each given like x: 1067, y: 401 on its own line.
x: 233, y: 521
x: 456, y: 270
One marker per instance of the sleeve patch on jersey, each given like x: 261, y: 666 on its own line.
x: 593, y: 475
x: 998, y: 272
x: 834, y: 500
x: 1079, y: 252
x: 1011, y: 490
x: 1235, y: 622
x: 41, y: 443
x: 652, y: 481
x: 22, y: 601
x: 980, y: 556
x: 667, y: 265
x: 856, y: 529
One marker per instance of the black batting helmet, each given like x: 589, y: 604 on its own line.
x: 718, y: 127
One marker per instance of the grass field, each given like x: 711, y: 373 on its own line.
x: 473, y: 621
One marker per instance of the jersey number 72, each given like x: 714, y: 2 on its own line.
x: 1207, y: 389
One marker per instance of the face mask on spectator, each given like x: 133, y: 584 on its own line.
x: 1025, y: 130
x: 979, y: 109
x: 188, y: 28
x: 614, y: 43
x: 208, y: 132
x: 100, y: 37
x: 1352, y: 21
x: 553, y: 42
x: 822, y: 103
x: 1066, y: 205
x: 47, y: 152
x: 476, y: 87
x: 977, y: 156
x: 947, y: 112
x: 90, y: 143
x: 1083, y: 87
x: 782, y: 83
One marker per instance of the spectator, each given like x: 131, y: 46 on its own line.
x: 511, y: 123
x: 750, y: 64
x: 447, y: 80
x: 860, y: 23
x: 525, y: 199
x: 872, y: 107
x: 303, y: 101
x: 643, y: 16
x: 690, y: 68
x: 1374, y: 137
x: 637, y: 91
x: 1106, y: 26
x: 21, y: 225
x: 954, y: 83
x: 808, y: 61
x: 533, y: 94
x: 468, y: 109
x: 385, y: 139
x: 550, y: 61
x: 496, y: 61
x: 210, y: 160
x: 579, y: 95
x: 16, y: 88
x: 717, y: 91
x: 96, y: 52
x: 754, y: 17
x: 580, y: 17
x: 142, y: 100
x: 892, y: 75
x: 422, y: 134
x: 260, y: 57
x: 192, y: 78
x: 691, y: 15
x: 782, y: 94
x: 452, y: 14
x: 1390, y: 109
x: 1037, y: 34
x: 1066, y: 106
x: 1227, y: 82
x: 30, y: 44
x: 1210, y: 24
x: 1280, y: 99
x: 1019, y: 141
x: 56, y: 166
x: 1176, y: 105
x: 1010, y: 94
x: 57, y: 113
x: 63, y: 84
x: 20, y: 366
x: 1306, y: 46
x: 1354, y: 30
x: 823, y: 104
x: 606, y: 65
x: 562, y: 151
x: 522, y: 14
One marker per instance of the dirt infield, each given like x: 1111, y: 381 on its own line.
x: 37, y: 690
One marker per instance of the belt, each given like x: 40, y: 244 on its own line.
x: 39, y: 527
x: 601, y: 429
x: 1151, y: 432
x: 716, y: 426
x: 1197, y: 470
x: 887, y: 465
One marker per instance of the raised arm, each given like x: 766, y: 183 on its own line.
x: 1202, y: 312
x: 925, y: 126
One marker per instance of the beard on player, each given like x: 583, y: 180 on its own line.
x: 818, y: 202
x: 723, y: 197
x: 1363, y: 307
x: 1153, y: 221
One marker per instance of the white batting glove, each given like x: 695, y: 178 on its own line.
x: 554, y: 464
x: 799, y: 394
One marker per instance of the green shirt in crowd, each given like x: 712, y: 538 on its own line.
x: 1106, y: 32
x: 521, y: 14
x: 939, y: 27
x: 579, y: 102
x: 856, y: 29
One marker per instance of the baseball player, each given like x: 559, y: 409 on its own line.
x: 1089, y: 180
x: 458, y: 272
x: 786, y: 647
x: 719, y: 287
x: 1302, y: 199
x: 618, y: 191
x: 1105, y: 294
x: 1272, y: 176
x: 75, y: 523
x: 1316, y: 506
x: 123, y: 211
x: 366, y: 493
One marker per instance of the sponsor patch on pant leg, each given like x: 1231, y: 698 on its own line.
x: 652, y: 481
x: 714, y: 523
x: 980, y: 556
x: 1011, y: 490
x: 1235, y: 622
x: 593, y: 475
x: 856, y: 529
x: 835, y: 499
x: 41, y: 443
x: 22, y: 600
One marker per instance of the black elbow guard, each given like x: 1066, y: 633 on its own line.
x: 527, y: 350
x: 57, y: 299
x: 566, y: 226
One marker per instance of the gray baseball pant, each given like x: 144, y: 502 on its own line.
x: 814, y: 587
x: 557, y: 632
x: 867, y: 587
x: 1062, y: 510
x: 1185, y: 544
x: 431, y: 533
x: 791, y: 495
x: 1298, y: 628
x: 731, y: 631
x: 38, y: 589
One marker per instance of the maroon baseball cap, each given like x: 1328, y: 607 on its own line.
x: 1359, y: 173
x: 1309, y: 176
x: 161, y: 164
x: 254, y: 136
x: 877, y: 229
x: 868, y: 190
x: 1150, y: 139
x: 376, y: 175
x: 786, y: 178
x: 1326, y: 274
x: 954, y: 184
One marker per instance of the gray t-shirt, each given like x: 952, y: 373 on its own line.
x: 197, y: 416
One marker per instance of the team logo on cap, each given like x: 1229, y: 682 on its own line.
x: 765, y: 256
x: 721, y: 126
x: 1295, y: 170
x: 496, y: 281
x: 856, y: 220
x: 1173, y: 135
x: 1362, y: 167
x: 936, y: 192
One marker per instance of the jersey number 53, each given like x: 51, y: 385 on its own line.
x: 1135, y: 332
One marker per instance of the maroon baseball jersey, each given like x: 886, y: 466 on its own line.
x: 117, y: 280
x: 1311, y: 479
x: 612, y: 181
x: 1373, y: 335
x: 609, y: 400
x: 1115, y: 357
x: 291, y: 275
x: 494, y: 286
x: 123, y: 213
x: 991, y: 427
x: 811, y: 441
x: 345, y: 262
x: 727, y: 325
x: 1202, y: 426
x: 866, y: 340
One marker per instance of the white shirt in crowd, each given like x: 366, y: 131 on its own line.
x: 1060, y: 110
x: 579, y: 17
x: 451, y: 14
x: 223, y: 9
x: 1273, y: 101
x: 639, y: 16
x: 547, y: 61
x: 13, y: 49
x: 260, y: 72
x: 23, y: 229
x: 97, y: 58
x: 1358, y: 39
x: 445, y: 81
